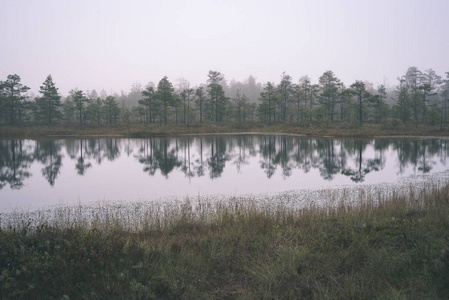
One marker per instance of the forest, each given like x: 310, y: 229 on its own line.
x: 419, y: 98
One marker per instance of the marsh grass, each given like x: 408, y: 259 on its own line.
x: 139, y: 130
x: 384, y: 245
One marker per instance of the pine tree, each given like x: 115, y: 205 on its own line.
x: 402, y: 108
x: 217, y: 96
x: 267, y: 108
x: 79, y: 99
x: 49, y: 104
x: 200, y: 99
x: 412, y: 80
x: 147, y: 104
x: 362, y: 96
x: 240, y: 105
x: 330, y: 86
x: 111, y: 110
x: 165, y: 94
x: 285, y: 90
x: 13, y: 101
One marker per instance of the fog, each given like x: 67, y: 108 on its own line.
x: 113, y: 44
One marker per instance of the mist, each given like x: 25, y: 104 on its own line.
x: 110, y: 45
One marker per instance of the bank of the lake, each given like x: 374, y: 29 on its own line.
x: 139, y: 130
x: 394, y: 247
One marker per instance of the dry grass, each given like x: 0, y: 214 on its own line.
x: 394, y: 247
x: 138, y: 130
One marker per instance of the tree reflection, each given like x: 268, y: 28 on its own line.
x: 268, y: 155
x: 112, y: 149
x: 208, y: 156
x: 329, y: 162
x: 442, y: 150
x: 15, y: 160
x: 81, y: 166
x: 417, y: 153
x: 242, y: 157
x: 166, y: 157
x: 424, y: 165
x: 199, y: 163
x: 305, y: 155
x: 187, y: 164
x: 157, y: 154
x: 283, y: 156
x: 329, y: 156
x: 147, y: 157
x: 363, y: 166
x: 218, y: 157
x: 49, y: 154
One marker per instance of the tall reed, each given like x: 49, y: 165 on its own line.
x: 376, y: 242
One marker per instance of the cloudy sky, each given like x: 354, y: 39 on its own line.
x: 111, y: 44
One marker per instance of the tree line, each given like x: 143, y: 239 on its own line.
x: 420, y: 97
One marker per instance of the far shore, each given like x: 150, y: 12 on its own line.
x: 141, y: 131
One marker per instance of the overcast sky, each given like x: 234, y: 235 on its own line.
x: 111, y: 44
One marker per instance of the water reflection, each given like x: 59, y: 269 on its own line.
x: 159, y: 154
x: 49, y: 154
x: 15, y: 160
x: 210, y: 156
x: 363, y: 165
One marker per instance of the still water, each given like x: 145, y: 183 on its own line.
x: 40, y: 173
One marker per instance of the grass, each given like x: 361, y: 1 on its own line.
x: 393, y: 246
x: 385, y: 246
x: 139, y: 130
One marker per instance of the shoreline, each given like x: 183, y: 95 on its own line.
x: 139, y: 130
x: 142, y: 132
x: 235, y: 250
x: 292, y: 199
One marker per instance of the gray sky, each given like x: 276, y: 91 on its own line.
x: 111, y: 44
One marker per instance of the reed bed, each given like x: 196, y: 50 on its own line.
x: 377, y: 242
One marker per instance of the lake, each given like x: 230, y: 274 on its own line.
x: 36, y: 174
